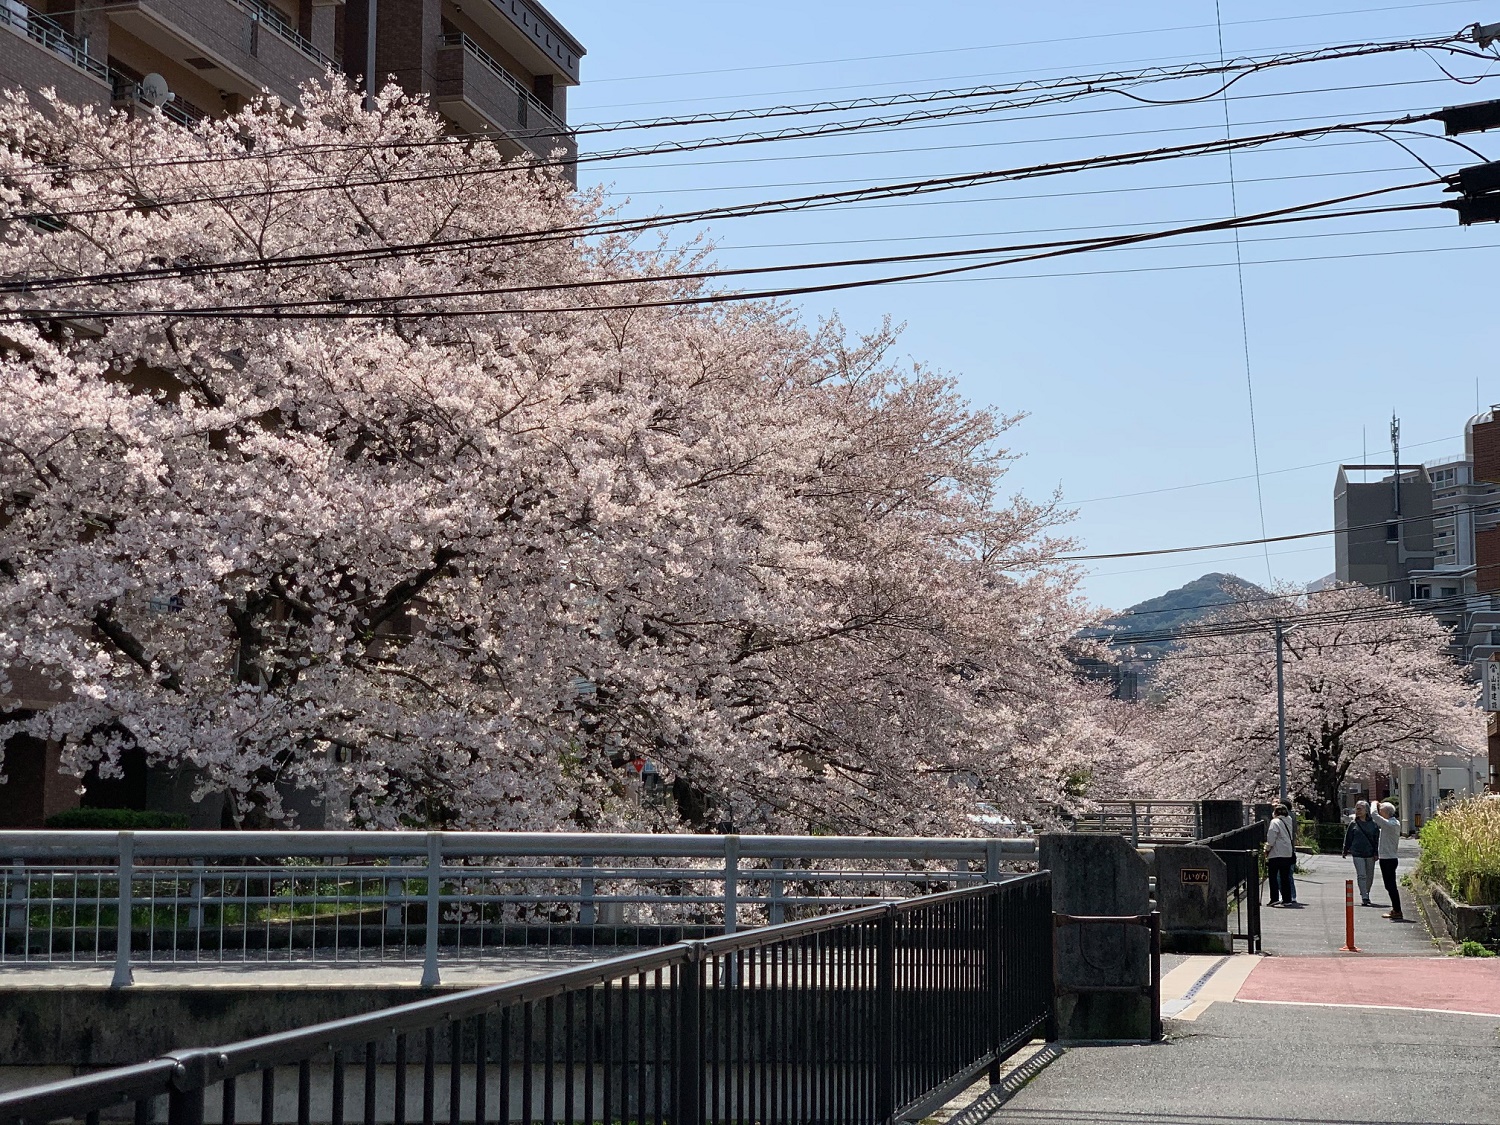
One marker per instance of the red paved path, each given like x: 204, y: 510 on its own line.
x: 1454, y: 984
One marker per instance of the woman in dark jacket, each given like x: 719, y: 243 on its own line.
x: 1362, y: 841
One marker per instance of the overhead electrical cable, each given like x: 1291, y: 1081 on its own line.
x: 284, y: 187
x: 1040, y: 91
x: 1070, y: 39
x: 1238, y: 542
x: 1239, y: 273
x: 291, y: 309
x: 902, y: 189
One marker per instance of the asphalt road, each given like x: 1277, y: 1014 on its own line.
x: 1252, y: 1064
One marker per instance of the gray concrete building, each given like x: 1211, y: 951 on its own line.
x: 1442, y: 550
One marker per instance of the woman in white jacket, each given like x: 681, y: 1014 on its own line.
x: 1390, y: 839
x: 1281, y: 857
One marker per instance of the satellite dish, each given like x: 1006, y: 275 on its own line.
x: 153, y: 90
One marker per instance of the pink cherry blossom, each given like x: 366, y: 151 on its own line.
x: 462, y: 569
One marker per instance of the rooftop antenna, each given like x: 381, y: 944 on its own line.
x: 1396, y: 461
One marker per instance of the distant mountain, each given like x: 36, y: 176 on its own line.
x: 1185, y: 605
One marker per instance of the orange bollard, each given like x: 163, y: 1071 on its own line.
x: 1349, y: 946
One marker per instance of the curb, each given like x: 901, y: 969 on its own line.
x: 1437, y: 929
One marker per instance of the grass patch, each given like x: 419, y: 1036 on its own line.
x: 1461, y: 850
x: 1473, y: 949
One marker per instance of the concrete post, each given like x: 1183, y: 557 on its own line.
x: 1192, y: 893
x: 1103, y: 972
x: 1220, y: 817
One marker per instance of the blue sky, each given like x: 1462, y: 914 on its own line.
x: 1129, y: 363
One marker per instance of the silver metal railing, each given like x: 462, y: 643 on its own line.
x: 167, y: 898
x: 1145, y: 822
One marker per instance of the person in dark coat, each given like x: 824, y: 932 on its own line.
x: 1362, y: 844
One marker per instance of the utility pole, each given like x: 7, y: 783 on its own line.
x: 1396, y: 462
x: 1281, y: 708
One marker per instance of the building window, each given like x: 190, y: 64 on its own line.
x: 1450, y: 591
x: 1421, y: 593
x: 1393, y: 531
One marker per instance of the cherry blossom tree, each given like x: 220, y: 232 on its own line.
x: 460, y: 543
x: 1367, y: 686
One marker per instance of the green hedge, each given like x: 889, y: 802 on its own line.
x: 116, y: 820
x: 1461, y: 848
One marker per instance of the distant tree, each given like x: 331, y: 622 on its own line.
x: 1366, y: 687
x: 465, y: 567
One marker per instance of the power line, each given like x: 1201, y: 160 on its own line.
x: 1034, y: 251
x: 1231, y: 480
x: 1237, y: 542
x: 901, y: 189
x: 1388, y: 611
x: 278, y: 310
x: 1025, y: 43
x: 243, y: 193
x: 1045, y: 92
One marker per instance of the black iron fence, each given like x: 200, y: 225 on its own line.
x: 872, y: 1015
x: 1241, y: 852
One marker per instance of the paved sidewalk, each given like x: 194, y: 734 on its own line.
x: 1317, y: 926
x: 1263, y: 1063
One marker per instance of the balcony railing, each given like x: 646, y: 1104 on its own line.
x: 527, y: 103
x: 51, y: 35
x: 176, y: 109
x: 272, y: 18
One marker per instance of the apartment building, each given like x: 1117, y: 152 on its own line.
x: 498, y: 68
x: 1430, y: 535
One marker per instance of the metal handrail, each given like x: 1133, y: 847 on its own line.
x: 270, y: 17
x: 167, y: 896
x: 529, y: 100
x: 60, y: 844
x: 896, y: 1004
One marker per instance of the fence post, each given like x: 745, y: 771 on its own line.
x: 185, y: 1095
x: 195, y: 896
x: 992, y: 861
x: 125, y: 877
x: 687, y: 1073
x: 1135, y: 825
x: 1156, y: 1033
x: 1048, y: 978
x: 20, y: 892
x: 394, y: 888
x: 778, y: 908
x: 434, y: 908
x: 885, y: 1019
x: 995, y: 956
x: 731, y: 883
x: 588, y: 914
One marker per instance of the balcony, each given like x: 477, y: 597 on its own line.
x: 39, y: 53
x: 127, y: 96
x: 479, y: 96
x: 242, y: 46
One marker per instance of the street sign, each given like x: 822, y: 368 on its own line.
x: 1195, y: 875
x: 1490, y: 671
